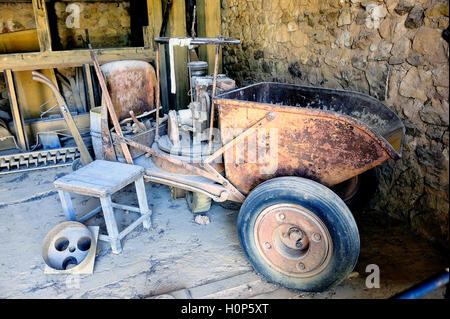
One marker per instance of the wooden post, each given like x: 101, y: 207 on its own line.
x: 209, y: 25
x: 42, y: 26
x: 154, y: 11
x: 17, y: 116
x: 108, y: 102
x: 67, y: 205
x: 177, y: 28
x: 89, y: 84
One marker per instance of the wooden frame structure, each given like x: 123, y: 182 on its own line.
x: 208, y: 24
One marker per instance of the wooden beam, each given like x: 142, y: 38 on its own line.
x: 42, y: 26
x: 17, y: 117
x: 154, y: 10
x: 209, y: 25
x: 70, y: 58
x: 177, y: 28
x: 89, y: 85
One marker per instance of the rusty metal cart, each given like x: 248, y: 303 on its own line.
x: 283, y: 148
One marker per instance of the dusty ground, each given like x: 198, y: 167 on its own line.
x: 178, y: 253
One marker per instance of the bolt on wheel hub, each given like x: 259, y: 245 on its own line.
x: 293, y: 240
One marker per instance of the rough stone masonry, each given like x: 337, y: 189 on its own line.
x: 392, y: 50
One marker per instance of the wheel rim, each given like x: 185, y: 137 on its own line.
x: 293, y: 240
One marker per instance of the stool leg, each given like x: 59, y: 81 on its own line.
x: 143, y: 204
x: 66, y: 202
x: 111, y: 225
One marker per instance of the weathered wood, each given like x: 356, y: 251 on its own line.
x: 32, y: 95
x: 85, y: 156
x: 66, y: 203
x: 108, y: 102
x: 154, y: 10
x: 19, y: 41
x: 177, y: 28
x: 89, y: 85
x: 17, y: 116
x: 209, y: 25
x: 70, y: 58
x: 108, y: 150
x: 126, y: 207
x: 129, y: 228
x: 42, y: 26
x: 143, y: 204
x: 100, y: 178
x: 92, y: 213
x: 111, y: 224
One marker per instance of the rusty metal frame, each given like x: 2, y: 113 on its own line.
x: 268, y: 117
x: 209, y: 172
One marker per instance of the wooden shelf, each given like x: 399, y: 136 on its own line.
x: 70, y: 58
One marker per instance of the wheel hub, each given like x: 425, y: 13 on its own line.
x: 293, y: 240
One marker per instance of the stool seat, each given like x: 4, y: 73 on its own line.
x: 100, y: 178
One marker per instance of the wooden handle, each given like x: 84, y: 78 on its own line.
x: 109, y: 105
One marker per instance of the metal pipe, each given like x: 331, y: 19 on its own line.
x: 425, y: 286
x: 211, y: 121
x: 157, y: 92
x: 199, y: 41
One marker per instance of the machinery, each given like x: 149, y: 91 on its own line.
x: 188, y: 128
x: 280, y: 151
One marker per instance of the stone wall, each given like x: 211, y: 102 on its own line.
x: 392, y: 50
x: 108, y: 24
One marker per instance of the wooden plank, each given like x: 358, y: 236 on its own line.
x: 108, y: 151
x: 85, y: 156
x: 209, y: 25
x: 29, y: 1
x: 70, y: 58
x: 89, y: 215
x: 42, y: 26
x: 111, y: 225
x: 177, y: 28
x: 143, y: 204
x: 19, y: 41
x: 17, y: 117
x: 126, y: 207
x: 31, y: 94
x: 89, y: 85
x: 66, y: 203
x: 108, y: 102
x: 96, y: 179
x: 241, y: 286
x: 154, y: 10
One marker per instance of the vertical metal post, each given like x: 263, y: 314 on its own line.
x: 216, y: 68
x: 158, y: 102
x: 190, y: 74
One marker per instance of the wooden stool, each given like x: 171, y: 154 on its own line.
x: 102, y: 179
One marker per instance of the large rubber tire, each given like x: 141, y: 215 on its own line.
x: 197, y: 202
x: 326, y: 206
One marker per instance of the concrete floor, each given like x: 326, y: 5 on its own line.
x: 177, y: 253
